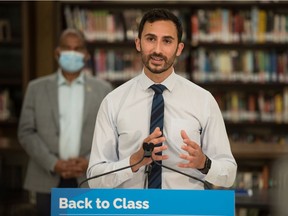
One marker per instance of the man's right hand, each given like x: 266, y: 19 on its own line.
x: 155, y: 138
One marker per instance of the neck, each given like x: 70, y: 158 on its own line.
x: 158, y: 78
x: 70, y: 76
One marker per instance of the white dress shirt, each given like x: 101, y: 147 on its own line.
x: 71, y: 103
x: 123, y: 123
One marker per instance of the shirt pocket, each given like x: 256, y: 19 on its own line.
x: 191, y: 127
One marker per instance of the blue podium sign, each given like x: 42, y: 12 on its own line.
x: 137, y: 202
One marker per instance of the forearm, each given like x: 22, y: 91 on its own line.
x: 111, y: 180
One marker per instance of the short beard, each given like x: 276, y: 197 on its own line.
x: 167, y: 64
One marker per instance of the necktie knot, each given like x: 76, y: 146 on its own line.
x: 158, y: 88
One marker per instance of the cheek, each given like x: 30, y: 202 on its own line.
x: 146, y: 47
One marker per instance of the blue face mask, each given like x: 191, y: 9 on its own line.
x: 71, y: 61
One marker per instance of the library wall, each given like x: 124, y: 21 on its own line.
x: 237, y: 50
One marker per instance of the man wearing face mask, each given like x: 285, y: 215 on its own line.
x: 57, y: 121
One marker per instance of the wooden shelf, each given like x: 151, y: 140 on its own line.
x: 258, y: 150
x: 259, y: 199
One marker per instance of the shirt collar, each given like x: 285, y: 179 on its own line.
x: 62, y: 81
x: 169, y: 82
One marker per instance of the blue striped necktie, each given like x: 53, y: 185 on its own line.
x: 157, y: 118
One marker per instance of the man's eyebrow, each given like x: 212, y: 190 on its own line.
x: 153, y: 35
x: 169, y: 37
x: 150, y: 34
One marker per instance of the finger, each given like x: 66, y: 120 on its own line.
x: 159, y: 157
x: 190, y: 161
x: 155, y: 134
x: 187, y: 140
x: 77, y: 169
x: 186, y: 157
x: 158, y: 140
x: 161, y: 148
x: 66, y: 175
x: 184, y: 135
x: 190, y: 149
x: 185, y: 165
x: 78, y: 174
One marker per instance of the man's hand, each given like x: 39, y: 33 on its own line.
x: 155, y: 138
x: 71, y: 168
x: 194, y: 157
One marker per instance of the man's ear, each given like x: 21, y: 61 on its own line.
x: 179, y: 49
x: 87, y: 56
x: 137, y: 44
x: 57, y: 53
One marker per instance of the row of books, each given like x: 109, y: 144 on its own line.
x: 255, y: 136
x: 247, y: 181
x: 217, y: 25
x: 119, y: 64
x: 229, y: 26
x: 250, y: 183
x: 240, y: 65
x: 261, y: 106
x: 105, y: 25
x: 97, y: 25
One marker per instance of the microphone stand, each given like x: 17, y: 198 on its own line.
x: 112, y: 171
x: 206, y: 185
x: 148, y: 148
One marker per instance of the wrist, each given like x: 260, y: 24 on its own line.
x: 207, y: 165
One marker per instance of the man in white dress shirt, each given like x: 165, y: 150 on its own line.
x: 194, y: 136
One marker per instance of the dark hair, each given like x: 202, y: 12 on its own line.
x: 158, y: 14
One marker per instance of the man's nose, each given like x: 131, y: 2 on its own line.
x: 158, y: 47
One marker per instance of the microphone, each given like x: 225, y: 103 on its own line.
x: 148, y: 148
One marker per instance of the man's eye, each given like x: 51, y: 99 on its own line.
x: 151, y: 39
x: 167, y: 41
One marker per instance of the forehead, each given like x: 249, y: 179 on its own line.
x: 162, y: 28
x: 71, y: 39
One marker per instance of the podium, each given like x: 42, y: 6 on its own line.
x: 145, y: 202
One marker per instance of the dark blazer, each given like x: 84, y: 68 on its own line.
x: 38, y: 130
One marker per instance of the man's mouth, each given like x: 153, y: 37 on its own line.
x: 157, y: 59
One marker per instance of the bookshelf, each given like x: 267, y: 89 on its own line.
x: 15, y: 62
x: 235, y: 49
x: 110, y: 29
x: 14, y: 75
